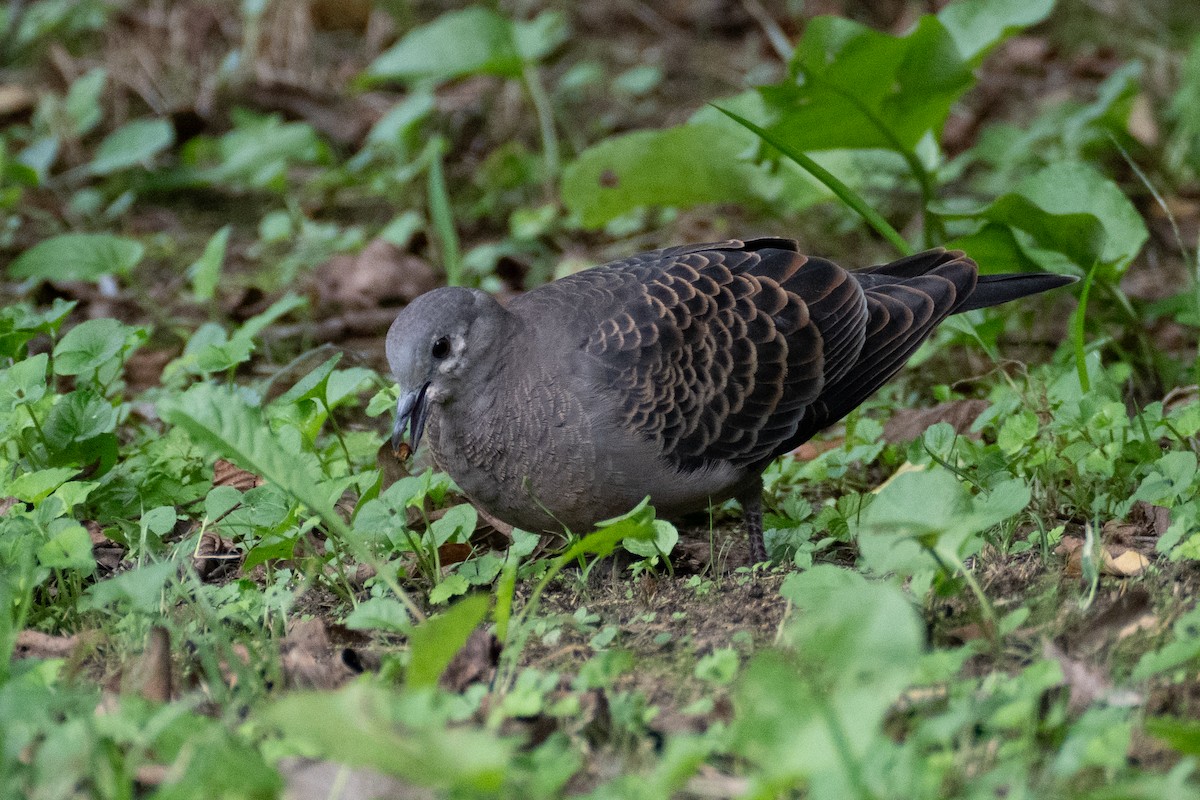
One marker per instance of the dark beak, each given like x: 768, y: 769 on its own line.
x: 410, y: 408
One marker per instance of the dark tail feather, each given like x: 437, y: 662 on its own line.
x: 992, y: 290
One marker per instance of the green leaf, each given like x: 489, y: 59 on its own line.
x: 452, y: 585
x: 1181, y: 734
x: 664, y: 541
x: 89, y: 345
x: 434, y: 642
x: 311, y: 386
x: 78, y: 257
x: 206, y: 271
x: 979, y: 25
x: 1072, y: 209
x: 76, y: 417
x: 69, y: 548
x: 379, y: 613
x: 138, y: 589
x: 860, y: 88
x: 474, y: 41
x: 134, y: 143
x: 458, y: 521
x: 34, y: 487
x: 637, y: 523
x: 23, y: 382
x: 363, y: 725
x: 682, y: 166
x: 82, y: 103
x: 222, y: 422
x: 816, y: 709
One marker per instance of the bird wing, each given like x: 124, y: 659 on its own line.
x: 905, y: 301
x: 716, y: 352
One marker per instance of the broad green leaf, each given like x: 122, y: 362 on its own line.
x: 138, y: 589
x: 69, y: 547
x: 860, y: 88
x: 23, y: 382
x: 474, y: 41
x: 363, y: 725
x: 133, y: 144
x: 311, y: 386
x: 682, y: 166
x: 82, y: 103
x: 435, y: 641
x: 89, y: 345
x: 78, y: 257
x: 897, y: 531
x: 457, y: 523
x: 379, y: 613
x: 33, y: 487
x: 1071, y: 209
x: 979, y: 25
x: 206, y: 271
x: 851, y: 647
x: 222, y: 422
x: 664, y: 541
x: 1181, y: 734
x: 77, y: 417
x: 449, y: 587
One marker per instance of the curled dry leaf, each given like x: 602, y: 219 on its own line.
x: 215, y: 557
x: 908, y: 424
x: 1085, y: 682
x: 380, y: 275
x: 35, y: 644
x: 1116, y: 560
x: 150, y: 674
x: 310, y: 660
x: 225, y: 473
x: 473, y: 663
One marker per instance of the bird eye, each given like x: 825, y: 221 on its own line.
x: 441, y: 348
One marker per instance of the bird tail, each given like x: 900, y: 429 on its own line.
x: 992, y: 290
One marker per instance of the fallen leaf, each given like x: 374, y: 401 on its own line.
x: 150, y: 673
x: 215, y: 557
x: 35, y: 644
x: 309, y: 659
x: 309, y: 779
x: 1085, y: 682
x: 380, y: 275
x: 473, y: 663
x: 909, y: 424
x: 226, y: 473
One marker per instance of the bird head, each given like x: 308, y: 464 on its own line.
x: 433, y: 347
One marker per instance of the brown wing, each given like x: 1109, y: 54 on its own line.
x: 717, y: 351
x: 906, y: 300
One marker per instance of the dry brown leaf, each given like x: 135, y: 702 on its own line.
x: 308, y: 779
x: 1116, y: 560
x: 473, y: 663
x: 35, y: 644
x: 15, y: 99
x: 909, y: 424
x: 381, y: 275
x: 1085, y: 682
x: 150, y: 674
x: 309, y: 659
x: 215, y: 557
x: 226, y: 473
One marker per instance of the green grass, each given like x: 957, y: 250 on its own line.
x: 215, y: 580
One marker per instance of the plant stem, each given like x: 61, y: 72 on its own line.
x: 441, y: 214
x: 844, y: 193
x: 545, y: 116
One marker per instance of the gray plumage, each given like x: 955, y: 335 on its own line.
x: 678, y: 373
